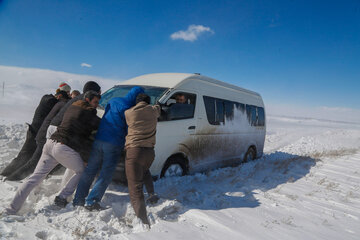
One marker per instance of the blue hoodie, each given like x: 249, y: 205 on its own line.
x: 113, y: 127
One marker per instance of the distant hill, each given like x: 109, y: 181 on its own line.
x: 24, y: 88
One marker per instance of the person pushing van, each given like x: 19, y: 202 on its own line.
x: 106, y: 151
x: 140, y: 142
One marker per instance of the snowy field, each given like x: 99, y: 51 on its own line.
x: 306, y: 186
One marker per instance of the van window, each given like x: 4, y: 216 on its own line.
x: 251, y: 114
x: 181, y: 105
x: 121, y: 90
x: 219, y: 110
x: 255, y: 115
x: 240, y: 107
x: 261, y: 116
x: 210, y: 109
x: 229, y: 109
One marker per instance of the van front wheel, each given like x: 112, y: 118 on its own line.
x: 174, y: 167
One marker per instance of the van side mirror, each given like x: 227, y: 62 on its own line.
x: 164, y: 113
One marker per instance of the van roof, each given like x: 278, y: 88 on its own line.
x: 171, y: 80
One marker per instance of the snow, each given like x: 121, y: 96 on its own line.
x: 306, y: 186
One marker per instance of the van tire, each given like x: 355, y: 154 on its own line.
x: 250, y: 155
x: 174, y: 166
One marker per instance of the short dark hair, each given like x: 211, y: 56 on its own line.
x: 91, y: 85
x: 64, y: 94
x: 77, y: 92
x: 142, y: 97
x: 91, y: 94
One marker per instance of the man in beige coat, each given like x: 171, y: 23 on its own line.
x: 140, y: 141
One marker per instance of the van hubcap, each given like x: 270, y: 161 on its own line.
x: 174, y: 170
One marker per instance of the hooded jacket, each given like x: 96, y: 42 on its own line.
x: 41, y: 135
x: 113, y: 128
x: 142, y: 120
x: 47, y: 102
x: 75, y: 129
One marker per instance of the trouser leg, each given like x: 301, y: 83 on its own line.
x: 70, y: 159
x: 138, y: 161
x: 148, y: 182
x: 111, y: 156
x: 28, y: 168
x: 66, y: 177
x: 89, y: 174
x: 46, y: 164
x: 24, y: 155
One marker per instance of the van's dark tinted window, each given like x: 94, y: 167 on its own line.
x: 219, y: 110
x: 261, y: 116
x: 240, y: 106
x: 181, y: 105
x: 210, y: 109
x: 255, y: 115
x: 251, y: 114
x: 229, y: 109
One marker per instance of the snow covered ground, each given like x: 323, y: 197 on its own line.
x: 306, y: 186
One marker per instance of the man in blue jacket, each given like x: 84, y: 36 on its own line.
x: 107, y: 148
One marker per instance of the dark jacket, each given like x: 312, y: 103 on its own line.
x: 75, y: 129
x: 59, y: 116
x: 47, y: 102
x: 41, y: 135
x: 113, y: 128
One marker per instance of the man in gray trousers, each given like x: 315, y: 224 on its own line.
x: 63, y: 147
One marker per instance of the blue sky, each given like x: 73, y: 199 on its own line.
x: 295, y: 52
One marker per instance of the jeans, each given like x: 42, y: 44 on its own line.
x: 104, y: 157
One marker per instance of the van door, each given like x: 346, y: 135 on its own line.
x: 176, y: 127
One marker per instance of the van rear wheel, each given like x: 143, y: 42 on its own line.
x: 250, y: 155
x: 174, y: 167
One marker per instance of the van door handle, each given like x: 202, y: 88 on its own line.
x: 191, y: 127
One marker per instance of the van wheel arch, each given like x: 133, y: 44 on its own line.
x: 250, y: 154
x: 174, y: 162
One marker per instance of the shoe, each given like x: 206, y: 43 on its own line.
x: 152, y: 199
x: 60, y: 202
x: 78, y: 203
x: 96, y: 206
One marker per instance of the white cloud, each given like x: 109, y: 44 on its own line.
x: 191, y: 34
x: 86, y: 65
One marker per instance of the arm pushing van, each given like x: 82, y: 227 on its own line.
x: 205, y: 123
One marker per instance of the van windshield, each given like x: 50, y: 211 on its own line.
x: 121, y: 90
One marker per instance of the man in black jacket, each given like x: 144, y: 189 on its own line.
x: 47, y: 102
x: 63, y: 147
x: 28, y: 168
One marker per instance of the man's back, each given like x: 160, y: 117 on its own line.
x: 78, y: 122
x: 47, y: 102
x: 56, y: 121
x: 142, y: 121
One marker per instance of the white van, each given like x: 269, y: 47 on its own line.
x: 205, y: 123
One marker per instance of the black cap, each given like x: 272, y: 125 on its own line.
x: 91, y: 85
